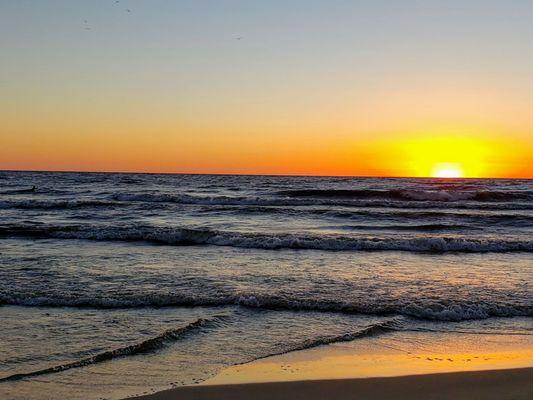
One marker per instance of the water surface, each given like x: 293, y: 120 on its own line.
x: 114, y: 284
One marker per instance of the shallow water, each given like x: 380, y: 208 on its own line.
x: 113, y: 284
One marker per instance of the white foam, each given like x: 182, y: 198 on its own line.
x: 185, y: 236
x: 424, y: 308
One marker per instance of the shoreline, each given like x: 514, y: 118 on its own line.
x: 383, y: 367
x: 516, y: 384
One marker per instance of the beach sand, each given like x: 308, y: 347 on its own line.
x: 453, y: 367
x: 509, y: 384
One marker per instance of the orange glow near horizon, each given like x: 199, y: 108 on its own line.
x: 445, y: 154
x: 326, y: 147
x: 433, y: 154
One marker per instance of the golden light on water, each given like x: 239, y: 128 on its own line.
x: 447, y: 170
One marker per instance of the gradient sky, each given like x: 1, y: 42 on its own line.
x: 273, y: 87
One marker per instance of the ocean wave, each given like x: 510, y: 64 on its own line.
x: 183, y: 198
x: 159, y: 341
x: 473, y: 332
x: 265, y: 205
x: 423, y: 309
x: 146, y: 346
x: 417, y: 195
x: 17, y: 191
x: 414, y: 214
x: 334, y: 242
x: 378, y: 328
x: 55, y: 204
x: 38, y: 191
x: 288, y: 201
x: 429, y: 227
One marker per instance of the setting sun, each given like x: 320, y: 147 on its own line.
x: 449, y: 153
x: 447, y: 170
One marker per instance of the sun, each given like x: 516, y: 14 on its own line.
x: 447, y: 170
x: 447, y: 154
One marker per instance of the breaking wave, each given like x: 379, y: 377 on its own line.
x: 372, y: 200
x: 378, y: 199
x: 482, y: 217
x: 445, y: 310
x: 408, y: 227
x: 187, y: 236
x: 146, y: 346
x: 157, y: 342
x: 370, y: 331
x: 417, y: 195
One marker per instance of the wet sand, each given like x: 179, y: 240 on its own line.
x: 396, y: 366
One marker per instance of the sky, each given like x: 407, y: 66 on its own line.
x: 365, y: 88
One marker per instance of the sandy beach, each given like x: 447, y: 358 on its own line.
x: 498, y: 385
x: 445, y: 367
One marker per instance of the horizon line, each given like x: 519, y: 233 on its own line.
x: 258, y: 174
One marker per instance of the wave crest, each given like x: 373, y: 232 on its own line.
x: 274, y: 241
x: 424, y: 309
x: 370, y: 331
x: 148, y: 345
x: 417, y: 195
x: 55, y: 204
